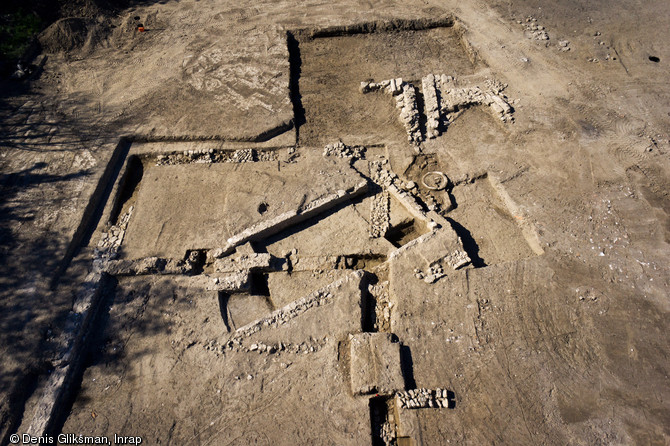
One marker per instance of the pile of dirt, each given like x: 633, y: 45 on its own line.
x: 65, y: 35
x: 81, y: 35
x: 54, y: 25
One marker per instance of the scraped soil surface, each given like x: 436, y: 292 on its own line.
x: 554, y: 332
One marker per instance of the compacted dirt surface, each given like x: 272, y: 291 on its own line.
x: 423, y: 223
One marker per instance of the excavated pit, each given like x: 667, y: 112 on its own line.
x: 321, y: 231
x: 333, y: 65
x: 165, y: 313
x: 381, y: 421
x: 247, y: 292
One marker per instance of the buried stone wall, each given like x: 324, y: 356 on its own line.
x: 442, y: 101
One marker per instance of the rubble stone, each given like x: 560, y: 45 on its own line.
x: 409, y: 113
x: 422, y: 398
x: 442, y: 99
x: 379, y: 215
x: 431, y: 106
x: 207, y: 156
x: 342, y: 150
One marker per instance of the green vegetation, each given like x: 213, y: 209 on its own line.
x: 16, y: 31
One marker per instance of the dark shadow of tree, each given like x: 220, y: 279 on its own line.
x: 28, y: 310
x: 140, y: 318
x: 38, y: 128
x: 36, y: 185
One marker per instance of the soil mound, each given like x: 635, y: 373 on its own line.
x: 65, y: 35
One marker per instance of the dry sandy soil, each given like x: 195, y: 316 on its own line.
x: 181, y: 260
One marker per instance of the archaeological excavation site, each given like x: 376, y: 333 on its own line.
x: 348, y: 223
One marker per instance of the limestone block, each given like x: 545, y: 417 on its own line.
x: 254, y: 262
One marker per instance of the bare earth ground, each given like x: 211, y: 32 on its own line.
x: 561, y: 343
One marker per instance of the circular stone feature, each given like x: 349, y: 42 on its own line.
x: 435, y: 180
